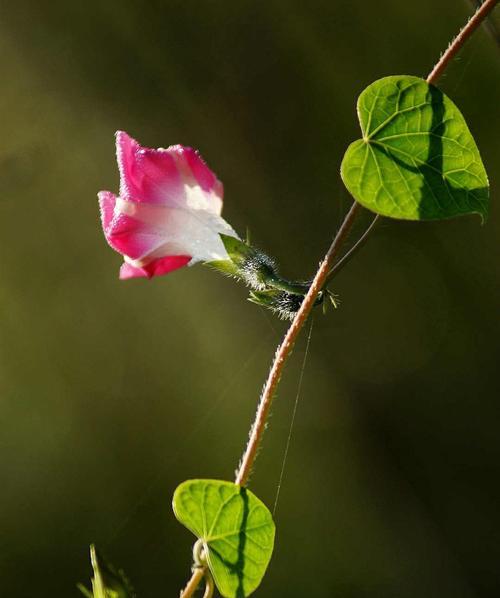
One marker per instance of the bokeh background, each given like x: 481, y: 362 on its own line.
x: 111, y: 393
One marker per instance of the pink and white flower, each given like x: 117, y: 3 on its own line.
x: 168, y: 212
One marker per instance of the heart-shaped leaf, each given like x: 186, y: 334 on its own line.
x: 417, y: 159
x: 236, y: 528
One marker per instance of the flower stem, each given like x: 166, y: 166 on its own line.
x: 321, y: 277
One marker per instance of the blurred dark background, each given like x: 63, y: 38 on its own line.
x: 111, y: 393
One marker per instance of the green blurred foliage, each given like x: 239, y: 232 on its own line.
x: 112, y: 393
x: 107, y: 582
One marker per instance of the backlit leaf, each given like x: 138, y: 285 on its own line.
x: 236, y: 528
x: 417, y: 159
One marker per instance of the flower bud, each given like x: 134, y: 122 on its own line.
x: 168, y: 212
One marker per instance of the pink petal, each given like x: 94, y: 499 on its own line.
x: 128, y: 271
x: 157, y: 267
x: 107, y: 201
x: 205, y: 178
x: 132, y: 237
x: 161, y: 176
x: 147, y: 175
x: 126, y: 149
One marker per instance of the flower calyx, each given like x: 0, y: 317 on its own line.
x: 259, y: 272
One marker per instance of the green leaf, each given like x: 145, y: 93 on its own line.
x: 107, y: 582
x: 417, y: 159
x: 236, y: 528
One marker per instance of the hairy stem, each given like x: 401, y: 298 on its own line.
x: 321, y: 277
x: 482, y: 12
x: 286, y: 347
x: 284, y: 350
x: 489, y: 23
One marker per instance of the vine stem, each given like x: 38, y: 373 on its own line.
x: 282, y: 354
x: 481, y: 13
x: 193, y: 583
x: 489, y: 23
x: 322, y: 275
x: 285, y: 348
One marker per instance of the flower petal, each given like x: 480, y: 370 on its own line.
x: 132, y: 237
x: 107, y: 202
x: 176, y: 176
x: 198, y: 178
x: 126, y: 149
x: 147, y: 175
x: 157, y: 267
x: 192, y: 232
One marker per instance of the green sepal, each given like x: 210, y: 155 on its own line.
x: 417, y: 159
x: 226, y: 267
x: 236, y: 530
x: 259, y: 272
x: 245, y: 263
x: 238, y: 251
x: 264, y: 298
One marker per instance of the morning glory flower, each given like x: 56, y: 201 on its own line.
x: 167, y: 214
